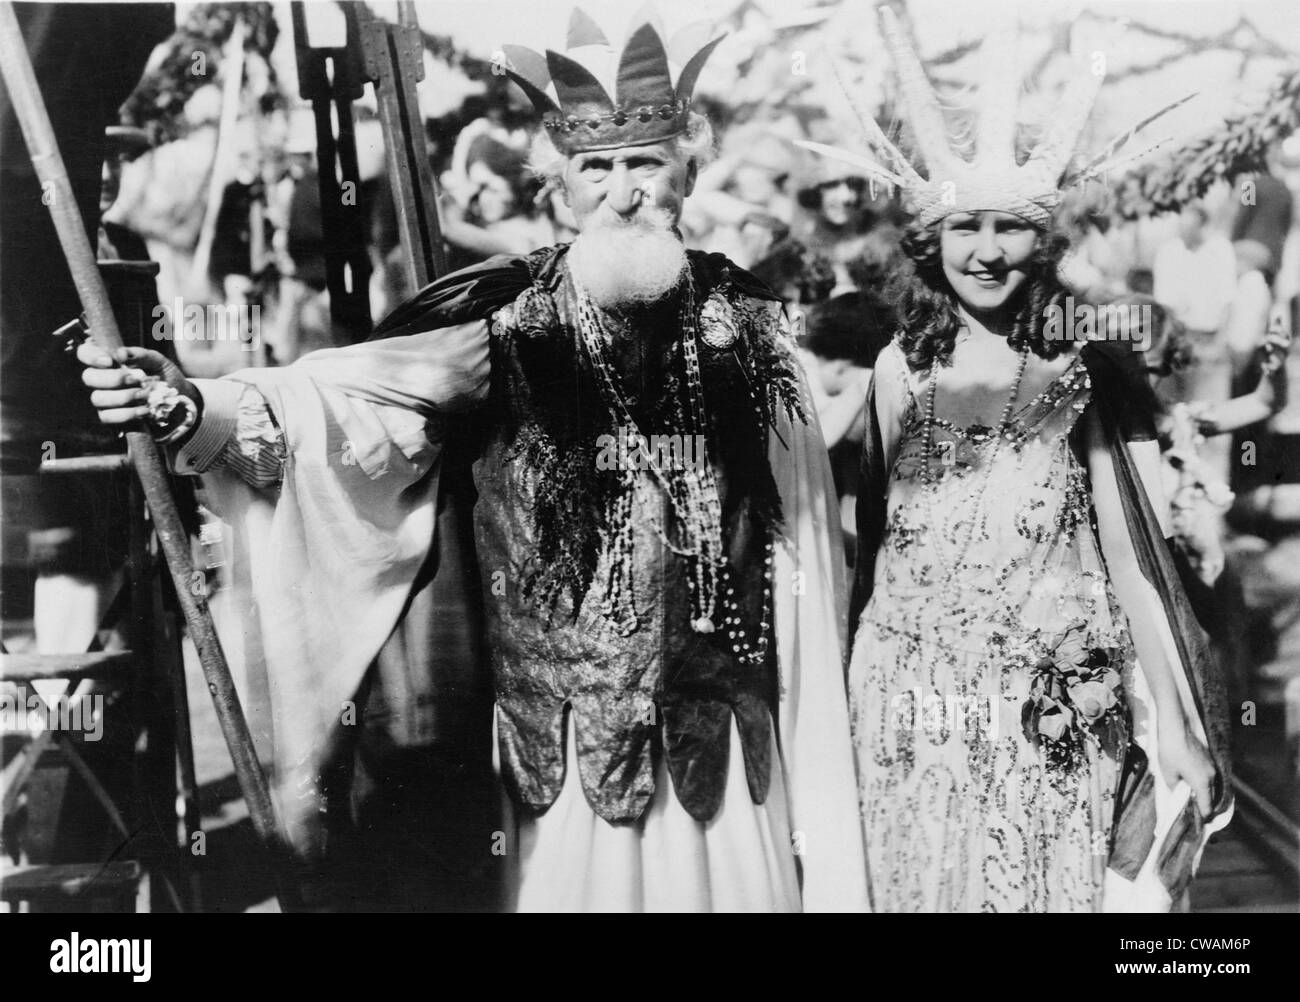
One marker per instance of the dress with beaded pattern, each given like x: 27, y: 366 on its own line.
x: 960, y: 811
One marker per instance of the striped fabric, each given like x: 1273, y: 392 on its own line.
x: 237, y: 431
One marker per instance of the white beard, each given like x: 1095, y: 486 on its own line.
x: 621, y: 265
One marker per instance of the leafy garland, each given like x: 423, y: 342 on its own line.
x: 158, y: 103
x: 1239, y: 147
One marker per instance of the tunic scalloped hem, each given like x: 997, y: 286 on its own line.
x: 569, y: 859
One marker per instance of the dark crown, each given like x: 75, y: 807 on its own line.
x: 647, y: 107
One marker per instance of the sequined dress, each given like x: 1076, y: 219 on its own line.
x: 960, y: 811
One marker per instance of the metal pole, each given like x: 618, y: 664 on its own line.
x: 20, y: 78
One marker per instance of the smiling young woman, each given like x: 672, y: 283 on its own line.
x: 996, y: 658
x: 1030, y: 690
x: 973, y: 304
x: 997, y: 266
x: 986, y: 257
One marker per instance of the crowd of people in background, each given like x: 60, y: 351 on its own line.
x: 1208, y: 297
x: 1218, y: 284
x: 1220, y: 294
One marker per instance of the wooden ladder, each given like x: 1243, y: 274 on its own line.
x: 140, y: 689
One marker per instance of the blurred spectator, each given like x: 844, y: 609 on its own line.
x: 1195, y: 278
x: 741, y: 207
x: 1140, y: 280
x: 1264, y: 551
x: 878, y: 258
x: 117, y: 242
x: 299, y: 317
x: 844, y: 240
x: 1248, y: 318
x: 491, y: 208
x: 1197, y: 493
x: 490, y: 204
x: 1195, y: 274
x: 1264, y: 218
x: 1092, y: 268
x: 837, y: 217
x: 842, y: 338
x: 797, y: 272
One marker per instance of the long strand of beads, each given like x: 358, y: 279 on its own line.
x: 693, y: 495
x: 734, y: 621
x: 710, y: 563
x: 620, y: 595
x: 686, y: 502
x: 979, y: 516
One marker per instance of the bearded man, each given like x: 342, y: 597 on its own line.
x: 664, y: 630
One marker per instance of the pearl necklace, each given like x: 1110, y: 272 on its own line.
x: 929, y: 484
x: 692, y: 493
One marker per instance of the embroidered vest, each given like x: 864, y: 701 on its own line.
x: 659, y: 689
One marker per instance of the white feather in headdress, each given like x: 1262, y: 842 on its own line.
x: 992, y: 178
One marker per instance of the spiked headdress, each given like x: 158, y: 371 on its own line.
x: 646, y: 106
x: 993, y: 179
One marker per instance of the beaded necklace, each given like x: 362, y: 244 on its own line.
x: 930, y: 484
x: 692, y: 494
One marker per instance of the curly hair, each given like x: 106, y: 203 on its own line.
x: 928, y: 318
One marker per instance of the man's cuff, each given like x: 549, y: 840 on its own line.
x: 216, y: 427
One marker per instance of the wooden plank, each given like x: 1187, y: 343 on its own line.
x: 86, y: 464
x: 1236, y: 875
x: 394, y: 62
x: 1280, y: 909
x: 35, y: 667
x: 69, y: 880
x: 1230, y: 855
x: 1256, y: 891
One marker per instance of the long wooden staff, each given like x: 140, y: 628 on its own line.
x: 24, y: 93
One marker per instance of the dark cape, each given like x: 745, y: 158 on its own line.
x: 477, y: 292
x: 1126, y: 406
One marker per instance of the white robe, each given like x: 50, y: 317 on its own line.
x: 331, y: 561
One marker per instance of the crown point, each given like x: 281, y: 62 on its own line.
x: 691, y: 71
x: 526, y: 63
x: 643, y: 76
x: 583, y: 30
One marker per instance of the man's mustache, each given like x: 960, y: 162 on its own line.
x: 647, y: 220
